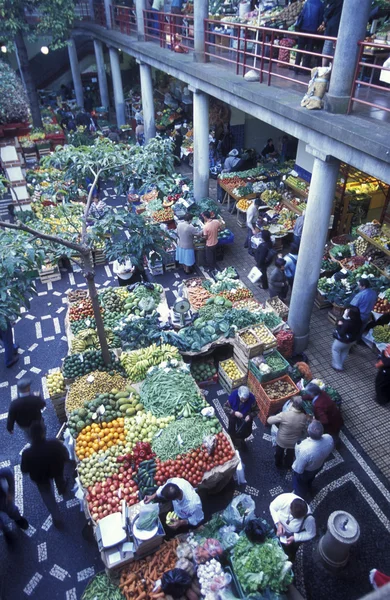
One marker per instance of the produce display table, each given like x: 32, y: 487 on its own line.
x: 374, y: 243
x: 230, y: 197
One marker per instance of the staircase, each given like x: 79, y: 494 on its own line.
x: 11, y: 163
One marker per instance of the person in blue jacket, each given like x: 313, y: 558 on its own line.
x: 309, y: 20
x: 241, y: 408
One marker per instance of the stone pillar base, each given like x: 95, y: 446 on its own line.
x: 336, y: 104
x: 301, y: 343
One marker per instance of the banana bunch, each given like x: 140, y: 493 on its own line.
x: 171, y: 517
x: 137, y: 363
x: 86, y: 339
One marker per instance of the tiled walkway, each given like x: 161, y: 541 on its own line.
x: 368, y: 422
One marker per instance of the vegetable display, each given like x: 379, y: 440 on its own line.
x: 231, y: 369
x: 55, y: 383
x: 183, y: 435
x: 203, y: 371
x: 77, y: 365
x: 137, y: 363
x: 101, y: 588
x: 169, y: 389
x: 86, y: 388
x: 381, y: 334
x: 279, y: 389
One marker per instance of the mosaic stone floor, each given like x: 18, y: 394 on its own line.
x: 48, y: 564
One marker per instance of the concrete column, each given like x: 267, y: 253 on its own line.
x: 140, y: 6
x: 147, y: 100
x: 76, y: 76
x: 353, y: 24
x: 201, y: 12
x: 315, y: 229
x: 107, y: 9
x: 101, y: 72
x: 118, y: 88
x: 201, y: 145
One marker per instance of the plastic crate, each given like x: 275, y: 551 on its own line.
x: 266, y: 406
x: 265, y: 377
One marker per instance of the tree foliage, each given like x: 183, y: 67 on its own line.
x: 14, y: 103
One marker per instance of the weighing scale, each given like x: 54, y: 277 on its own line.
x: 181, y: 313
x: 112, y: 536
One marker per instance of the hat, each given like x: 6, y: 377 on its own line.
x: 23, y: 384
x: 233, y: 152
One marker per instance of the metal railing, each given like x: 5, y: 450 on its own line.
x: 382, y: 92
x: 83, y: 12
x: 124, y: 19
x: 267, y: 51
x: 169, y: 30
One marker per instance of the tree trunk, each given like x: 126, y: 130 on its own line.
x: 89, y: 275
x: 31, y: 90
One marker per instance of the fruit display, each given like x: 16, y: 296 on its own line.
x: 371, y: 230
x: 86, y: 388
x: 251, y: 305
x: 97, y: 467
x: 264, y: 335
x: 243, y: 204
x: 361, y: 246
x: 137, y: 363
x: 144, y: 426
x: 236, y: 294
x: 169, y: 389
x: 203, y: 371
x: 77, y: 295
x: 231, y: 369
x: 143, y: 301
x: 102, y: 436
x: 112, y: 301
x: 231, y: 182
x: 77, y: 365
x: 55, y: 383
x: 382, y: 306
x: 341, y: 251
x: 351, y: 264
x: 271, y: 197
x: 78, y: 326
x: 164, y: 215
x: 381, y: 334
x: 298, y: 183
x: 278, y: 306
x: 248, y: 338
x: 197, y: 296
x: 279, y: 389
x: 112, y: 405
x: 214, y: 307
x: 106, y: 497
x: 82, y: 310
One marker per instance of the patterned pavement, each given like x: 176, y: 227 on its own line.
x: 48, y: 564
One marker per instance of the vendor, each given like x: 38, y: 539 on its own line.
x: 293, y: 521
x: 124, y: 270
x: 241, y: 409
x: 269, y: 149
x: 231, y: 164
x: 185, y: 501
x: 365, y: 300
x: 185, y: 252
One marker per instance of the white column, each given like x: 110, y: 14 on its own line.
x: 201, y: 145
x: 315, y: 230
x: 101, y: 73
x: 76, y: 76
x: 353, y: 25
x: 118, y: 88
x: 107, y: 9
x: 147, y: 100
x: 140, y: 6
x: 201, y: 12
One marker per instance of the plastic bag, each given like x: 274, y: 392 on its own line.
x: 148, y: 516
x: 240, y: 511
x: 239, y: 475
x: 274, y: 433
x: 229, y: 537
x: 175, y: 582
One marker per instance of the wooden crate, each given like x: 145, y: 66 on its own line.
x: 272, y: 344
x: 283, y: 312
x: 58, y: 402
x: 99, y: 257
x: 321, y: 301
x: 241, y: 359
x: 230, y: 384
x: 52, y: 274
x: 268, y: 407
x: 242, y: 348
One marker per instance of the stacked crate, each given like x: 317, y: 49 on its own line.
x: 266, y: 405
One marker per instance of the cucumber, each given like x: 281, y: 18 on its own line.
x: 122, y: 401
x: 120, y: 395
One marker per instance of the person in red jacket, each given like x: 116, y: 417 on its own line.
x: 325, y: 409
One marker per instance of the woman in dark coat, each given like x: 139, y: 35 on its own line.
x: 382, y: 381
x: 346, y: 333
x: 262, y: 257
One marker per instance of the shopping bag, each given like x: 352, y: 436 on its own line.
x: 239, y: 475
x: 274, y: 433
x: 240, y: 511
x: 254, y: 275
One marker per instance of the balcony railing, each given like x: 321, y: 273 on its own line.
x: 124, y: 19
x: 83, y: 12
x: 169, y: 30
x: 366, y: 70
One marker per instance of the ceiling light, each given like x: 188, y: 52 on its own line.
x: 3, y: 49
x: 45, y: 50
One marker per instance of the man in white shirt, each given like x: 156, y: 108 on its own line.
x: 251, y: 217
x: 310, y: 456
x: 124, y: 271
x: 293, y: 521
x: 185, y: 501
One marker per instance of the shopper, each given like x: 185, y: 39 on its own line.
x: 241, y: 409
x: 185, y: 501
x: 269, y: 149
x: 264, y: 255
x: 293, y: 521
x: 176, y: 8
x: 98, y: 208
x: 230, y: 165
x: 310, y: 456
x: 210, y: 232
x: 10, y: 349
x: 330, y: 26
x: 44, y: 461
x: 292, y: 427
x: 251, y: 217
x: 278, y: 285
x: 382, y: 380
x: 347, y: 332
x: 325, y: 409
x: 291, y: 264
x: 124, y: 271
x: 365, y: 300
x: 25, y: 409
x: 298, y: 229
x: 185, y: 252
x: 140, y: 133
x: 114, y: 135
x: 178, y: 141
x: 308, y: 21
x: 7, y: 503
